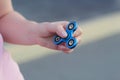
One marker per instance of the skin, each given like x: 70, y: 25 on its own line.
x: 18, y: 30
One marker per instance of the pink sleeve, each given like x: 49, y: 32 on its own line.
x: 9, y: 69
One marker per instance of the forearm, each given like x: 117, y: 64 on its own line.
x: 16, y: 29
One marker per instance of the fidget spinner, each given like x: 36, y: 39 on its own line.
x: 70, y: 40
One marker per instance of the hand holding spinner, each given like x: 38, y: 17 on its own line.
x: 70, y: 40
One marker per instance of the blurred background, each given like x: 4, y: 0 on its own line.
x: 98, y: 56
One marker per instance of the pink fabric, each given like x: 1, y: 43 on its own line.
x: 9, y: 70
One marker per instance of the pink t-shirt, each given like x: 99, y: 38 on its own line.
x: 9, y: 69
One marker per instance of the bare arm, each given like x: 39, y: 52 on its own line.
x: 13, y: 26
x: 5, y: 7
x: 16, y: 29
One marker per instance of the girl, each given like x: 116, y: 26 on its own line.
x: 14, y: 28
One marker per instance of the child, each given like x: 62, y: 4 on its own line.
x: 14, y: 28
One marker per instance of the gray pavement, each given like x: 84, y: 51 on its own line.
x: 98, y: 60
x: 52, y: 10
x: 94, y: 61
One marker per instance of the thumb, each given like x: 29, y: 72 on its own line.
x: 58, y: 29
x: 61, y: 32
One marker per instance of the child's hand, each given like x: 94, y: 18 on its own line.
x: 19, y: 30
x: 48, y: 30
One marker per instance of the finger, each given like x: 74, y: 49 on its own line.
x: 63, y: 23
x: 61, y: 31
x: 69, y: 51
x: 47, y: 42
x: 58, y: 29
x: 64, y: 49
x: 78, y: 32
x: 78, y: 39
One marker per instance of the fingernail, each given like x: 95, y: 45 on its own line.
x: 62, y: 47
x: 64, y: 34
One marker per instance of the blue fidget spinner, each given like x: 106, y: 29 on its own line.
x: 70, y: 40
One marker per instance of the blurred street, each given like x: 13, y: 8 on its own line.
x: 52, y: 10
x: 98, y: 56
